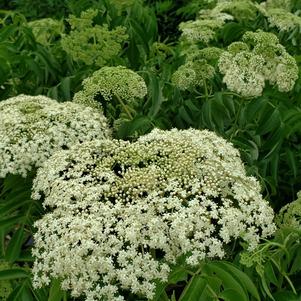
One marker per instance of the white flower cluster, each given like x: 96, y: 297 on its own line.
x: 204, y: 28
x: 238, y: 9
x: 32, y: 128
x: 119, y: 81
x: 279, y: 15
x: 247, y: 65
x: 123, y: 212
x: 290, y: 214
x: 284, y: 4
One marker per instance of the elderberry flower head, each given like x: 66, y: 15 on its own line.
x: 32, y: 128
x: 281, y: 18
x: 93, y: 44
x: 290, y: 214
x: 239, y: 9
x: 284, y: 4
x: 117, y: 81
x: 124, y: 212
x: 193, y: 74
x: 247, y: 65
x: 203, y: 29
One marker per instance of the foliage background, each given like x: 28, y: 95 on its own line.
x: 266, y: 130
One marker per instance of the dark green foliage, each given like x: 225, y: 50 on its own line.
x: 266, y: 130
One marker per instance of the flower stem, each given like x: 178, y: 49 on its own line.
x: 124, y: 107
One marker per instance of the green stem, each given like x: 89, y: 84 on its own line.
x: 124, y: 107
x: 206, y: 89
x: 236, y: 121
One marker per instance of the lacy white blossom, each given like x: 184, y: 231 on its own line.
x: 284, y: 4
x: 204, y: 28
x: 239, y: 9
x: 33, y: 127
x: 119, y: 81
x: 290, y: 214
x: 93, y: 43
x: 123, y: 212
x: 282, y: 19
x: 247, y: 65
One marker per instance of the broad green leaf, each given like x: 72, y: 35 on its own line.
x: 228, y: 280
x: 8, y: 222
x: 292, y: 161
x: 232, y: 31
x: 14, y: 273
x: 14, y: 203
x: 185, y: 115
x: 286, y: 296
x: 65, y: 88
x: 270, y: 274
x: 193, y: 289
x: 268, y: 122
x: 157, y: 98
x: 230, y: 295
x: 179, y: 273
x: 160, y: 294
x: 14, y: 247
x: 242, y: 277
x: 55, y: 293
x: 253, y: 107
x: 296, y: 264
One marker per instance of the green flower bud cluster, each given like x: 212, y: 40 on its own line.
x: 93, y: 44
x: 119, y: 82
x: 198, y: 68
x: 281, y: 18
x: 44, y: 30
x: 193, y: 74
x: 204, y: 28
x: 290, y: 214
x: 239, y: 9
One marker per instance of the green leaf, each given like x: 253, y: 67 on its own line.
x: 292, y: 161
x: 65, y: 88
x: 242, y: 277
x: 179, y: 273
x: 55, y: 293
x: 229, y: 295
x: 296, y: 265
x: 185, y: 115
x: 14, y: 247
x: 8, y: 222
x: 232, y: 31
x: 11, y: 274
x: 229, y: 281
x: 270, y: 274
x: 268, y: 122
x: 14, y: 203
x: 286, y: 296
x: 156, y: 94
x: 193, y: 289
